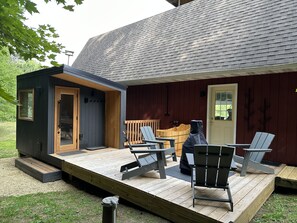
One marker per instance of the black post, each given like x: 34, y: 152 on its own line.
x: 109, y: 209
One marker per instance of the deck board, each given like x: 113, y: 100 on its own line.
x: 171, y: 198
x: 287, y: 177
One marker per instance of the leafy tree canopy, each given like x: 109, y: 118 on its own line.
x: 28, y: 42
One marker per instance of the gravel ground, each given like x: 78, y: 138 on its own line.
x: 15, y: 182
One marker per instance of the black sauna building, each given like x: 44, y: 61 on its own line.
x: 63, y: 109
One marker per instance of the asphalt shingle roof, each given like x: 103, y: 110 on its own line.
x: 201, y: 39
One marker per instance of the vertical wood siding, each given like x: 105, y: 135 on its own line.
x: 92, y: 113
x: 265, y: 103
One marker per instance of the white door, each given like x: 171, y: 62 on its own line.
x: 221, y: 118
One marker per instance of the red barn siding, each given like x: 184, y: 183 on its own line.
x: 265, y: 103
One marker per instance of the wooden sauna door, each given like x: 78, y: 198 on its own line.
x: 66, y: 119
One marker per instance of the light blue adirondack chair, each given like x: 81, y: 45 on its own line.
x: 149, y: 137
x: 254, y: 153
x: 146, y: 160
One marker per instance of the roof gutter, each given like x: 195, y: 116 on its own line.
x: 179, y: 77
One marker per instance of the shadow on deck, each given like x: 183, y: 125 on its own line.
x: 170, y: 198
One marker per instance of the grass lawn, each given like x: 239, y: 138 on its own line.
x: 281, y: 207
x: 81, y: 206
x: 71, y: 206
x: 7, y: 140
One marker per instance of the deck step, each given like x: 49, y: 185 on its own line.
x: 39, y: 170
x: 287, y: 178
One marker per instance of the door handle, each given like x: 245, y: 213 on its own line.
x: 59, y: 115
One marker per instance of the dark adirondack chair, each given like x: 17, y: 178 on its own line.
x: 211, y: 169
x: 254, y: 153
x: 149, y: 137
x: 147, y: 159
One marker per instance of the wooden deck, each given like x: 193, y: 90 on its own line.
x: 169, y: 198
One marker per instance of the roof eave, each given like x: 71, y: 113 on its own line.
x: 178, y: 77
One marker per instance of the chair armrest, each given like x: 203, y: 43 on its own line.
x: 171, y: 141
x: 258, y: 150
x: 153, y: 141
x: 190, y: 158
x: 148, y: 151
x: 142, y: 145
x: 161, y: 143
x: 165, y: 139
x: 239, y: 145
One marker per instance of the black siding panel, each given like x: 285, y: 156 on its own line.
x: 32, y: 135
x: 92, y: 118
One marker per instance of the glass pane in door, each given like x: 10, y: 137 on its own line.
x: 66, y: 119
x: 223, y: 106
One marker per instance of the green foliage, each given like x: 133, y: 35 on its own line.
x: 7, y: 96
x: 22, y: 40
x: 8, y: 74
x: 28, y: 42
x: 9, y: 69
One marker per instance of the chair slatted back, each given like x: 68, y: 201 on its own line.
x: 212, y: 165
x: 147, y: 133
x: 225, y: 165
x: 261, y: 140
